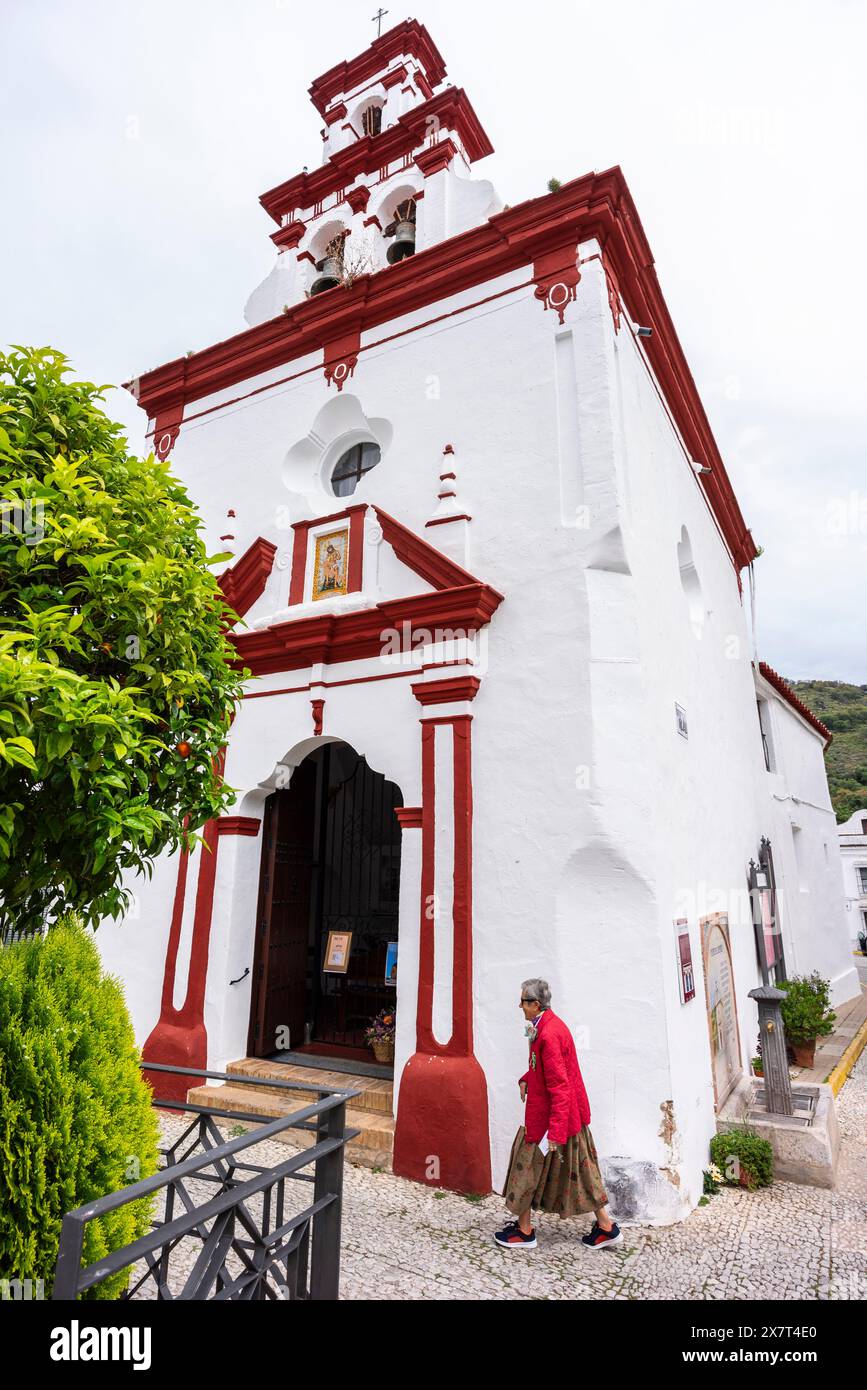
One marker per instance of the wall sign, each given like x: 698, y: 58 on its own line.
x: 391, y: 964
x: 685, y: 971
x: 337, y: 952
x: 722, y: 1016
x: 331, y: 567
x: 680, y: 716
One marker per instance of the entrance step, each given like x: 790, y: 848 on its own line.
x: 376, y: 1095
x: 373, y: 1144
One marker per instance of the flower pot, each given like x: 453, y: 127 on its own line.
x: 758, y: 1069
x: 383, y: 1049
x: 804, y: 1052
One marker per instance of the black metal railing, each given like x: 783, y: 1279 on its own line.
x: 251, y: 1247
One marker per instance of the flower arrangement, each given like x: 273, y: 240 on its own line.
x: 379, y: 1035
x: 713, y: 1180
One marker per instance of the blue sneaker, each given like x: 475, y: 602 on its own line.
x: 598, y: 1239
x: 513, y: 1238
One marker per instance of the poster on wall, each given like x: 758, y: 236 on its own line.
x: 391, y: 964
x: 337, y: 951
x: 685, y: 971
x: 330, y: 568
x: 722, y: 1017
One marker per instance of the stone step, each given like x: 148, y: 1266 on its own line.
x: 375, y: 1095
x: 372, y: 1145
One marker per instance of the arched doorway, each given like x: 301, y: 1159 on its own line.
x: 327, y: 913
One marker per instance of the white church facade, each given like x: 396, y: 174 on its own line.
x: 504, y: 717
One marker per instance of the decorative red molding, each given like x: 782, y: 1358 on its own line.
x: 334, y: 637
x: 341, y: 357
x: 557, y: 275
x: 433, y: 158
x: 444, y: 520
x: 443, y: 1093
x: 318, y: 707
x: 167, y: 427
x: 355, y: 517
x: 238, y: 825
x: 395, y: 75
x: 409, y: 39
x: 595, y: 206
x: 372, y: 222
x: 337, y: 113
x: 245, y: 582
x: 783, y: 688
x: 450, y: 109
x: 358, y: 198
x: 446, y: 691
x: 409, y: 817
x: 289, y: 236
x: 430, y: 564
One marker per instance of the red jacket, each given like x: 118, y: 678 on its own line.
x: 557, y: 1102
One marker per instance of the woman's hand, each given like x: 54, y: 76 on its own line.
x: 522, y: 1087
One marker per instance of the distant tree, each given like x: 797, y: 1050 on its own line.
x: 116, y: 689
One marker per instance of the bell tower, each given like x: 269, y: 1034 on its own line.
x: 398, y: 145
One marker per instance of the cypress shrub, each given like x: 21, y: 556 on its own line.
x: 76, y: 1120
x: 754, y: 1159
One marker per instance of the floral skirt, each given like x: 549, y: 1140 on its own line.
x: 565, y: 1183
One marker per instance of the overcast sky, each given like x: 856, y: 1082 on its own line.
x: 138, y: 137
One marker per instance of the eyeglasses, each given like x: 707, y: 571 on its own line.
x: 528, y: 1001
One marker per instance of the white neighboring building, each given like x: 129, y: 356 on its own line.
x: 853, y: 855
x: 477, y: 453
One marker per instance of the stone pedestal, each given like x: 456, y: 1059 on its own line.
x: 806, y: 1144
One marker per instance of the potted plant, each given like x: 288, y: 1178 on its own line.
x: 807, y: 1014
x: 380, y: 1035
x: 756, y: 1063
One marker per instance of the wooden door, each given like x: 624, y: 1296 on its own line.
x: 283, y: 918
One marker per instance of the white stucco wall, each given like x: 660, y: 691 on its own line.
x: 595, y: 823
x: 852, y: 839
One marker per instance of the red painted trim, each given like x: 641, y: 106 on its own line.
x: 392, y: 78
x: 557, y: 275
x: 334, y: 637
x: 450, y: 109
x: 167, y: 427
x: 245, y: 582
x: 425, y: 1041
x: 358, y: 198
x: 352, y: 680
x: 409, y: 817
x: 289, y: 236
x: 238, y: 825
x: 409, y: 38
x: 445, y: 691
x: 428, y: 562
x: 372, y: 222
x: 783, y: 688
x: 337, y: 113
x: 443, y: 520
x: 355, y: 516
x: 597, y: 205
x: 434, y: 158
x: 318, y: 706
x: 462, y: 963
x: 340, y: 357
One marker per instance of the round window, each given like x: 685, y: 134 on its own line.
x: 351, y: 467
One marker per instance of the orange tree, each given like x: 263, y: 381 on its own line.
x: 116, y: 683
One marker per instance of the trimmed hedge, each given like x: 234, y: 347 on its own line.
x: 76, y: 1120
x: 754, y: 1159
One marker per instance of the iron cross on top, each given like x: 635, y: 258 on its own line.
x: 377, y: 20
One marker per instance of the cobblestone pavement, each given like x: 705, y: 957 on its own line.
x: 405, y: 1241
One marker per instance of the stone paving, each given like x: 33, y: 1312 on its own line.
x: 405, y: 1241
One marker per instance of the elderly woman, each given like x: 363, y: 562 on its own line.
x: 565, y: 1179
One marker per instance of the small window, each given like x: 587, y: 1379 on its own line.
x: 371, y: 120
x: 862, y: 875
x: 765, y: 727
x: 351, y: 467
x: 864, y: 827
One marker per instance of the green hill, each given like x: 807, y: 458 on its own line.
x: 844, y: 709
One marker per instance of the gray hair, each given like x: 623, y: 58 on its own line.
x: 539, y: 990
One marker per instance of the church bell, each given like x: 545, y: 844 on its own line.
x: 330, y: 274
x: 403, y: 244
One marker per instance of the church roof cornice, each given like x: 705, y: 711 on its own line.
x: 783, y: 688
x: 409, y: 39
x: 595, y: 206
x: 451, y: 108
